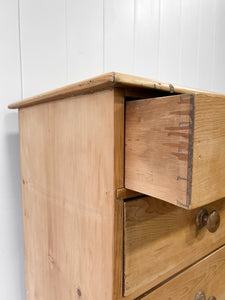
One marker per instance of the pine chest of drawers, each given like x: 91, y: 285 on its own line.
x: 123, y: 181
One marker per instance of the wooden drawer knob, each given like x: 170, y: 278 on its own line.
x: 201, y: 296
x: 212, y: 220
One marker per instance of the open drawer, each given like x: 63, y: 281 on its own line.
x: 175, y: 148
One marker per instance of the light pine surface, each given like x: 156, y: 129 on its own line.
x: 112, y: 79
x: 175, y: 148
x: 208, y: 175
x: 126, y: 194
x: 67, y: 163
x: 78, y: 142
x: 207, y: 275
x: 201, y: 64
x: 161, y: 239
x: 158, y: 153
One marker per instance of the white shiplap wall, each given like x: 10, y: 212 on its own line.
x: 47, y: 44
x: 11, y: 239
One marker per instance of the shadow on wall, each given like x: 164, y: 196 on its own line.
x: 13, y: 206
x: 13, y: 156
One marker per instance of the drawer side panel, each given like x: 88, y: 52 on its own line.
x: 158, y: 147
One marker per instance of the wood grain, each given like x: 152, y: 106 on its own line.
x: 119, y: 183
x: 126, y: 194
x: 208, y: 176
x: 87, y: 86
x: 161, y: 239
x: 175, y: 148
x: 67, y: 163
x: 207, y: 275
x: 125, y: 80
x: 105, y: 81
x: 72, y: 169
x: 158, y: 152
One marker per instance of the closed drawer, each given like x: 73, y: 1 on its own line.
x: 161, y: 239
x: 175, y: 148
x: 207, y: 277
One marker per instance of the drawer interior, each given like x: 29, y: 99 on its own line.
x: 161, y: 239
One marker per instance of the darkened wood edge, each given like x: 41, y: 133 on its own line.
x: 105, y: 81
x: 119, y: 100
x: 136, y: 93
x: 123, y: 270
x: 190, y: 150
x: 126, y: 194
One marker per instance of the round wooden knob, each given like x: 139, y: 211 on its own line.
x: 212, y: 220
x: 200, y: 296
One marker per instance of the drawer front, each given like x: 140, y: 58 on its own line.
x: 175, y: 148
x: 161, y: 239
x: 207, y: 277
